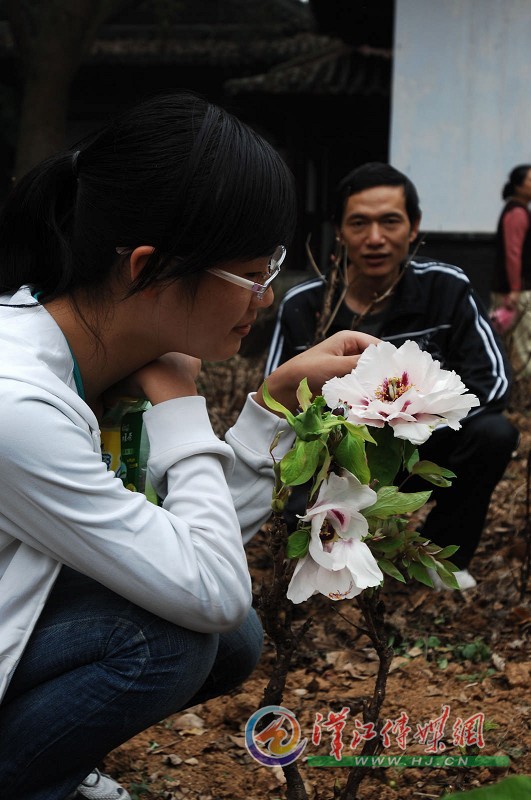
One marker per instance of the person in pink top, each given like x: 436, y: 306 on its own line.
x: 512, y: 280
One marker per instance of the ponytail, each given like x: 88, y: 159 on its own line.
x: 36, y: 228
x: 508, y: 190
x: 174, y: 172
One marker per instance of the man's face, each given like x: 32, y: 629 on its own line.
x: 377, y: 232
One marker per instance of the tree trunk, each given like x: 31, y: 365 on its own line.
x: 42, y: 119
x: 51, y: 36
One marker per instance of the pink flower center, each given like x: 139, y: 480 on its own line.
x: 391, y: 388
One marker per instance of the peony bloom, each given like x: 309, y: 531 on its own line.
x: 338, y: 564
x: 404, y: 387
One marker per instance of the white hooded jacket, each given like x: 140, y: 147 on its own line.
x: 59, y: 505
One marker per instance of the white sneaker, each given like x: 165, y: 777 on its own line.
x: 463, y: 577
x: 98, y: 786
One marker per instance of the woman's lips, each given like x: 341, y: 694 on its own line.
x: 243, y: 330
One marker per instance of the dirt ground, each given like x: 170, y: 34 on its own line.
x: 466, y: 651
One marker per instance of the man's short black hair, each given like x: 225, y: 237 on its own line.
x: 375, y: 173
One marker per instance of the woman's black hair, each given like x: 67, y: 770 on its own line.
x: 368, y: 176
x: 516, y: 178
x: 175, y: 172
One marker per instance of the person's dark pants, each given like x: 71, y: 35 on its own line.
x: 478, y: 454
x: 96, y: 671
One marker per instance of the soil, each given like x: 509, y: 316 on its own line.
x: 467, y: 651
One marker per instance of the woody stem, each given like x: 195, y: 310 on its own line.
x: 373, y: 611
x: 276, y: 612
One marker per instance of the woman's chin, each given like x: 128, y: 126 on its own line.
x: 222, y: 353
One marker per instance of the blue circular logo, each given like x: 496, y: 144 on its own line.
x: 279, y: 742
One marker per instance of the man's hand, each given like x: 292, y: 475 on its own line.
x: 336, y: 356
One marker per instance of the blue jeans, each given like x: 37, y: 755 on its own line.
x: 98, y: 670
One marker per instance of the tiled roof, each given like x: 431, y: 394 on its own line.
x: 272, y: 58
x: 335, y: 68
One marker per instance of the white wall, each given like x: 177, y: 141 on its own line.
x: 461, y: 105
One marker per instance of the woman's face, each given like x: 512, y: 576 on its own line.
x: 212, y: 324
x: 523, y: 191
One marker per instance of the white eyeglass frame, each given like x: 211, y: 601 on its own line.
x: 259, y: 289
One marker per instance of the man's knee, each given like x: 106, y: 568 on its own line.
x: 493, y: 434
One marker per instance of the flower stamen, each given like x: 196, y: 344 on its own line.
x: 391, y: 388
x: 341, y: 595
x: 327, y: 533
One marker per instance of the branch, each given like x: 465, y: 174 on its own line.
x: 526, y: 530
x: 276, y: 612
x: 373, y: 610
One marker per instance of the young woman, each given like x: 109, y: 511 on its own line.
x: 512, y: 278
x: 152, y: 246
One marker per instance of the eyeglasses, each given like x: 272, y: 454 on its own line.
x: 259, y: 289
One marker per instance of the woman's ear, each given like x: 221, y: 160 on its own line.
x: 138, y: 259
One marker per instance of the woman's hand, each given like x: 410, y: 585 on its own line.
x: 336, y: 356
x: 171, y: 376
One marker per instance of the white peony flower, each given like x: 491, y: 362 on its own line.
x: 338, y: 564
x: 404, y: 387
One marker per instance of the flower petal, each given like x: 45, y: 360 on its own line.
x: 358, y: 559
x: 402, y: 386
x: 303, y: 582
x: 338, y: 585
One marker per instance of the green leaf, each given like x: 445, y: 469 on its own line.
x: 275, y: 441
x: 304, y: 395
x: 516, y: 787
x: 427, y: 560
x: 390, y: 502
x: 448, y: 551
x: 433, y: 473
x: 411, y: 455
x: 385, y: 457
x: 350, y: 454
x: 448, y: 579
x: 447, y: 565
x: 297, y: 544
x: 274, y: 405
x: 386, y: 545
x: 300, y: 463
x: 309, y: 425
x: 389, y: 568
x: 358, y: 430
x: 323, y: 472
x: 420, y: 573
x: 429, y: 467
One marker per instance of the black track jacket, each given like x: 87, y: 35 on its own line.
x: 434, y: 305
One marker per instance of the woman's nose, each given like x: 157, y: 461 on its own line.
x: 267, y: 298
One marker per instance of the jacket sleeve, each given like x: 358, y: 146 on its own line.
x: 515, y: 224
x: 283, y: 341
x: 476, y: 353
x: 251, y: 481
x: 185, y: 561
x: 295, y: 325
